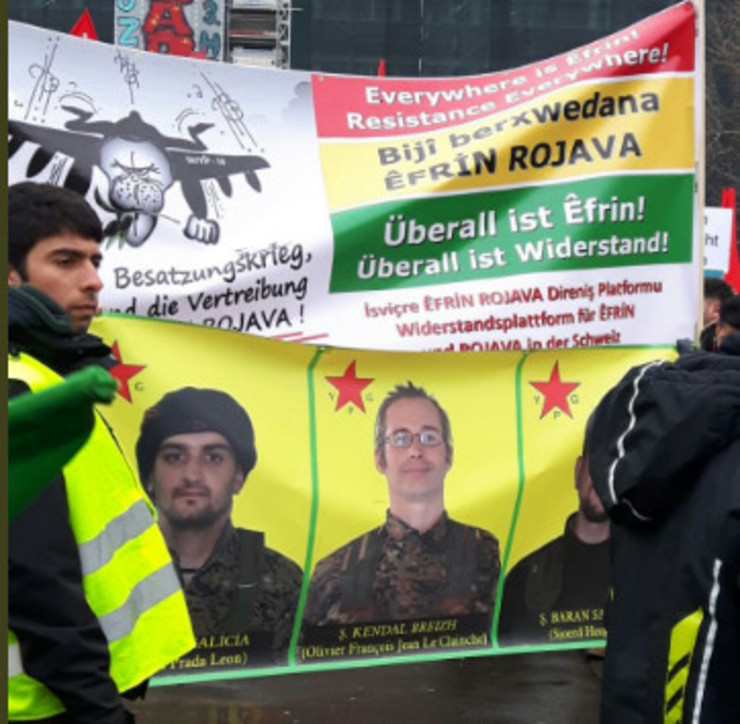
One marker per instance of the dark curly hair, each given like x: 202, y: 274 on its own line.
x: 39, y: 211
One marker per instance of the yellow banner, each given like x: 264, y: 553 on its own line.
x: 392, y: 532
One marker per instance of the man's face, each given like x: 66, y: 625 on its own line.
x: 65, y: 268
x: 194, y: 479
x: 416, y: 472
x: 711, y: 310
x: 589, y: 502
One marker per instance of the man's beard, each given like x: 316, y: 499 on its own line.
x: 194, y: 521
x: 593, y: 514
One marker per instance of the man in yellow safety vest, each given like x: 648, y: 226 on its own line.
x: 95, y: 605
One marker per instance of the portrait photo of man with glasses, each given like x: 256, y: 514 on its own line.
x: 419, y: 564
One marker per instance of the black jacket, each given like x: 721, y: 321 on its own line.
x: 665, y: 460
x: 61, y: 642
x: 40, y: 327
x: 557, y: 593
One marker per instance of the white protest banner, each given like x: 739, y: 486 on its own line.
x: 717, y: 237
x: 549, y: 206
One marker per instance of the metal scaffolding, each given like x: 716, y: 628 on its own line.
x: 259, y: 32
x: 282, y: 50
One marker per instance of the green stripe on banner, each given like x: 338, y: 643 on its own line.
x: 519, y: 495
x: 616, y: 221
x: 314, y: 502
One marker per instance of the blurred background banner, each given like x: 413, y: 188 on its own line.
x: 175, y: 28
x: 717, y: 240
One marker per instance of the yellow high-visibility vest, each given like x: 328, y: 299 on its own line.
x: 127, y: 573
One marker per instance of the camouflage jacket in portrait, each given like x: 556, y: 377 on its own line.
x: 245, y: 587
x: 396, y: 573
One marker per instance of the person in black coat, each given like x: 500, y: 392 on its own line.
x: 665, y: 460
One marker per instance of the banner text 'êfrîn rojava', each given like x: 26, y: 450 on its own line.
x: 551, y: 206
x: 396, y: 506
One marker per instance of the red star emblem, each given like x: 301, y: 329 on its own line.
x: 123, y: 373
x: 350, y: 387
x: 556, y: 392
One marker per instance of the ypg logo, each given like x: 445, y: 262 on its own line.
x: 555, y: 394
x: 123, y: 372
x: 350, y: 388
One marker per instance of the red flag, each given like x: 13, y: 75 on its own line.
x: 381, y: 67
x: 84, y: 27
x: 733, y: 270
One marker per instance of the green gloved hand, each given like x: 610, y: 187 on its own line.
x: 47, y: 428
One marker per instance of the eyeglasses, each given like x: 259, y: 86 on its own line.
x: 404, y: 438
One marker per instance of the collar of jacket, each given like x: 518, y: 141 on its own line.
x: 40, y: 327
x: 731, y: 344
